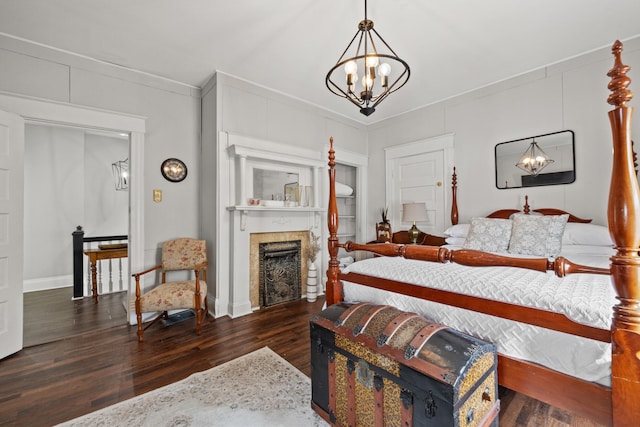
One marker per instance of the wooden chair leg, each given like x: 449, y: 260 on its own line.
x: 198, y: 320
x: 140, y: 328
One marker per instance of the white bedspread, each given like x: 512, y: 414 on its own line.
x: 585, y: 298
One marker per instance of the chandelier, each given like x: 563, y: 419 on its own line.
x: 534, y: 159
x: 120, y: 170
x: 366, y: 60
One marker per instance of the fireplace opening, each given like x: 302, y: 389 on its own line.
x: 280, y: 274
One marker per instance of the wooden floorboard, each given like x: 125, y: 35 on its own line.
x: 52, y: 315
x: 54, y: 382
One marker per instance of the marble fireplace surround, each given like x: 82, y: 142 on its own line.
x: 249, y: 228
x: 254, y: 260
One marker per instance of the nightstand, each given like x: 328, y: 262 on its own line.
x: 402, y: 237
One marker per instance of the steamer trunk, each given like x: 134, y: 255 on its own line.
x: 374, y: 365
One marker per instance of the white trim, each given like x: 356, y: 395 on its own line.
x: 42, y: 110
x: 284, y: 156
x: 46, y: 111
x: 45, y: 283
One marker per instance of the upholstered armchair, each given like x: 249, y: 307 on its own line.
x: 177, y: 255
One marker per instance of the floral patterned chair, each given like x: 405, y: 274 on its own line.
x: 179, y: 254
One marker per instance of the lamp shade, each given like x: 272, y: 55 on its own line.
x: 412, y: 212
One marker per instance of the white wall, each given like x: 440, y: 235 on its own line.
x: 106, y: 211
x: 172, y: 112
x: 569, y: 95
x: 68, y: 182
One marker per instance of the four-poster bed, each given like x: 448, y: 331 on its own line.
x: 614, y: 400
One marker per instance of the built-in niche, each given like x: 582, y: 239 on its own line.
x: 560, y: 169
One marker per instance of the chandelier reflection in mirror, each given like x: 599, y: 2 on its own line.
x: 120, y: 170
x: 366, y: 60
x: 534, y: 159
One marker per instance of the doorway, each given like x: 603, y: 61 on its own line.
x: 33, y: 110
x: 416, y: 173
x: 69, y: 182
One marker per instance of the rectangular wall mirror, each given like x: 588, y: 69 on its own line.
x: 547, y: 159
x: 271, y: 184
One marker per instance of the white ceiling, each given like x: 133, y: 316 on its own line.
x: 452, y: 46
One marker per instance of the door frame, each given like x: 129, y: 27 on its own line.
x: 42, y: 111
x: 442, y: 143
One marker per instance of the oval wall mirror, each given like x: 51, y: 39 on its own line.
x: 547, y: 159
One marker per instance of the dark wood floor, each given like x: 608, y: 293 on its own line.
x: 52, y: 315
x: 50, y: 383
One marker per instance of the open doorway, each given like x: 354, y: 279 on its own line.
x: 15, y: 111
x: 69, y: 182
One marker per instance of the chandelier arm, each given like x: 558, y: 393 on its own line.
x: 406, y: 71
x: 373, y: 44
x: 389, y: 91
x: 349, y: 45
x: 385, y: 43
x: 350, y: 96
x: 360, y: 44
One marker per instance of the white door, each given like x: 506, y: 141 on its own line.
x: 419, y: 171
x: 11, y: 233
x: 419, y: 178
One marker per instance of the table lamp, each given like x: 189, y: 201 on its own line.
x: 412, y: 212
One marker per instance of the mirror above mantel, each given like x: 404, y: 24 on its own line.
x: 552, y: 162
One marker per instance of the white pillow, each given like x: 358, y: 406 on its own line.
x: 343, y: 190
x: 537, y: 235
x: 586, y: 234
x: 488, y: 234
x: 458, y: 230
x: 456, y: 241
x: 569, y: 251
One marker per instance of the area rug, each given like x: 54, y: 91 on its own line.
x: 257, y: 389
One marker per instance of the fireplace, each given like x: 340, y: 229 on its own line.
x: 280, y: 273
x: 243, y: 226
x: 285, y: 250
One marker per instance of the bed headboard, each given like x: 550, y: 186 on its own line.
x: 506, y: 213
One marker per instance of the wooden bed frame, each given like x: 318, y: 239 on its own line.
x: 618, y: 405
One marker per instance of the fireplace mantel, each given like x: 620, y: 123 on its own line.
x: 244, y: 154
x: 245, y: 211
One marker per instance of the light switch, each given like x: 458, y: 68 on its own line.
x: 157, y: 196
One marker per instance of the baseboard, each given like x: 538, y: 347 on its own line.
x: 46, y: 283
x: 238, y: 310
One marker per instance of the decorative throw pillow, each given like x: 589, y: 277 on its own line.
x: 537, y: 235
x: 488, y: 234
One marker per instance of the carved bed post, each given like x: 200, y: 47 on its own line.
x: 454, y: 197
x: 624, y: 226
x: 334, y: 288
